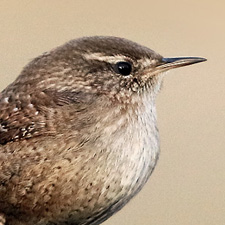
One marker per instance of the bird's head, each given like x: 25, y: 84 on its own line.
x: 99, y: 65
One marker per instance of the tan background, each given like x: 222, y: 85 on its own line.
x: 188, y: 185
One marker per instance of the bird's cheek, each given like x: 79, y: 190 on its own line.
x: 158, y: 82
x: 135, y: 86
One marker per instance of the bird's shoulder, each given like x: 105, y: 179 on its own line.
x: 20, y: 117
x: 23, y: 116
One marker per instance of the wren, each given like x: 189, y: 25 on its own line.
x: 78, y: 131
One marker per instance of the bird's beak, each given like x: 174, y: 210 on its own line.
x: 171, y: 63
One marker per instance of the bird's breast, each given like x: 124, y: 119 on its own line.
x: 132, y: 148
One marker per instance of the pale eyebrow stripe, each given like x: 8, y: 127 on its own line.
x: 101, y: 57
x: 116, y: 58
x: 147, y: 62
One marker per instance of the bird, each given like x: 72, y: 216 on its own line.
x: 78, y: 131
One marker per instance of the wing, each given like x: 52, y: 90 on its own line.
x: 21, y: 117
x: 24, y: 116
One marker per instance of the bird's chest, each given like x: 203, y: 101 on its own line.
x: 131, y: 152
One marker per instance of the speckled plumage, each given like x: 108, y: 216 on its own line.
x: 77, y: 140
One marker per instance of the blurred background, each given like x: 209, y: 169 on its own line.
x: 188, y: 184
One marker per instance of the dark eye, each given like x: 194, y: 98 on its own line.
x: 123, y: 68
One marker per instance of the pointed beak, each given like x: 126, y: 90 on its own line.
x: 171, y: 63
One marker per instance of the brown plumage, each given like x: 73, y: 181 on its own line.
x: 78, y: 134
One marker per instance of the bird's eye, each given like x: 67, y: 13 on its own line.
x: 123, y: 68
